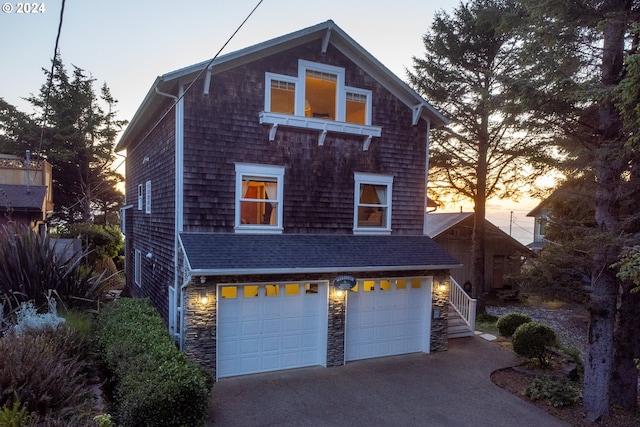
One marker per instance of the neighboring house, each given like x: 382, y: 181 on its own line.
x: 504, y: 255
x: 541, y: 218
x: 26, y: 195
x: 288, y: 170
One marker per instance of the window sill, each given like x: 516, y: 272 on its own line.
x: 374, y: 231
x: 258, y: 230
x: 324, y: 126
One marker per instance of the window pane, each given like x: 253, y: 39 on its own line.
x: 401, y: 284
x: 372, y: 206
x: 368, y: 285
x: 272, y: 290
x: 385, y: 285
x: 292, y: 289
x: 259, y: 201
x: 311, y: 288
x: 320, y: 95
x: 416, y: 283
x: 229, y: 292
x: 356, y: 108
x: 282, y: 97
x: 250, y: 291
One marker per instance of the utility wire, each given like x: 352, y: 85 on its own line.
x: 50, y: 83
x: 179, y: 98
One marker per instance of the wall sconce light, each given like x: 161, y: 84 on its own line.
x: 149, y: 255
x: 442, y: 287
x: 339, y: 293
x: 204, y: 298
x: 145, y: 160
x: 203, y: 279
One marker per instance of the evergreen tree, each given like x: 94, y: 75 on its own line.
x: 79, y: 137
x: 496, y: 147
x: 577, y: 50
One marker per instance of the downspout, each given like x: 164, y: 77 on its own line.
x: 178, y: 221
x: 426, y: 180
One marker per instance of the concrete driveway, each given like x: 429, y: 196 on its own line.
x: 451, y: 388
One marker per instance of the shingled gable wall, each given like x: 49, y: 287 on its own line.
x: 199, y: 340
x: 223, y: 129
x: 153, y: 158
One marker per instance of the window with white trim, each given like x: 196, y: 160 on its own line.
x: 137, y: 269
x: 372, y: 203
x: 147, y: 205
x: 259, y: 192
x: 140, y: 197
x: 317, y: 98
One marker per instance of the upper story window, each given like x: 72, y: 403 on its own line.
x: 317, y: 98
x: 259, y: 190
x: 372, y: 203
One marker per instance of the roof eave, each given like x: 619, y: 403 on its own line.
x: 308, y: 270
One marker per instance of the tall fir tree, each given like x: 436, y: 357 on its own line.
x: 78, y: 140
x: 495, y: 146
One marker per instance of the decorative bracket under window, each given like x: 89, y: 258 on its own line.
x: 324, y: 126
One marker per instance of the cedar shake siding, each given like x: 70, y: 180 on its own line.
x: 152, y: 233
x: 223, y: 129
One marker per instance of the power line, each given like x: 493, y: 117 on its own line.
x: 179, y: 98
x: 50, y: 83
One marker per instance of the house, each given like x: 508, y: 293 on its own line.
x: 504, y: 255
x: 276, y: 208
x: 26, y: 195
x: 541, y: 215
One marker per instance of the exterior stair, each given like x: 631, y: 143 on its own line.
x: 457, y: 327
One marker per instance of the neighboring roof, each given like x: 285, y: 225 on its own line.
x: 148, y: 110
x: 22, y: 197
x: 438, y: 223
x: 228, y: 253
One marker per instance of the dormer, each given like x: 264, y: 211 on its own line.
x: 318, y: 99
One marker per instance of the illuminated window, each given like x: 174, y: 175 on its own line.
x: 272, y: 290
x: 250, y: 291
x: 318, y: 91
x: 292, y: 289
x: 401, y: 284
x: 259, y: 191
x: 229, y: 292
x: 368, y: 285
x: 372, y: 199
x: 281, y: 94
x: 358, y: 106
x: 416, y: 283
x: 385, y: 285
x: 311, y: 288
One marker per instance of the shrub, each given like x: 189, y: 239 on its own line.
x: 154, y: 384
x: 28, y: 318
x: 558, y: 392
x: 508, y: 323
x: 40, y: 370
x: 15, y: 415
x: 32, y: 270
x: 531, y: 339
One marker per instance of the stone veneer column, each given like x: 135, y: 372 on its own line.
x: 440, y: 301
x: 335, y: 328
x: 199, y: 341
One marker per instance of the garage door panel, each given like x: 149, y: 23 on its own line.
x: 386, y: 320
x: 270, y: 327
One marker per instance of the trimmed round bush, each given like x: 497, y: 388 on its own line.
x: 531, y: 339
x: 508, y: 323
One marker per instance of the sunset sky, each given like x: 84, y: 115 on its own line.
x: 127, y: 43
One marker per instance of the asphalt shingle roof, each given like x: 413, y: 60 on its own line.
x: 228, y: 253
x: 18, y: 198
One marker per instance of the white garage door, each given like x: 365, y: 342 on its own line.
x: 387, y: 317
x: 269, y: 327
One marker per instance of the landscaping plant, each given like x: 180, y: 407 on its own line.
x: 154, y: 384
x: 557, y: 392
x: 531, y: 339
x: 508, y: 323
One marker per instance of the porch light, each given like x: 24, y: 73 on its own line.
x: 204, y: 299
x: 442, y: 287
x: 339, y: 293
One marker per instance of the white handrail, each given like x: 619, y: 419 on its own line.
x: 463, y: 303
